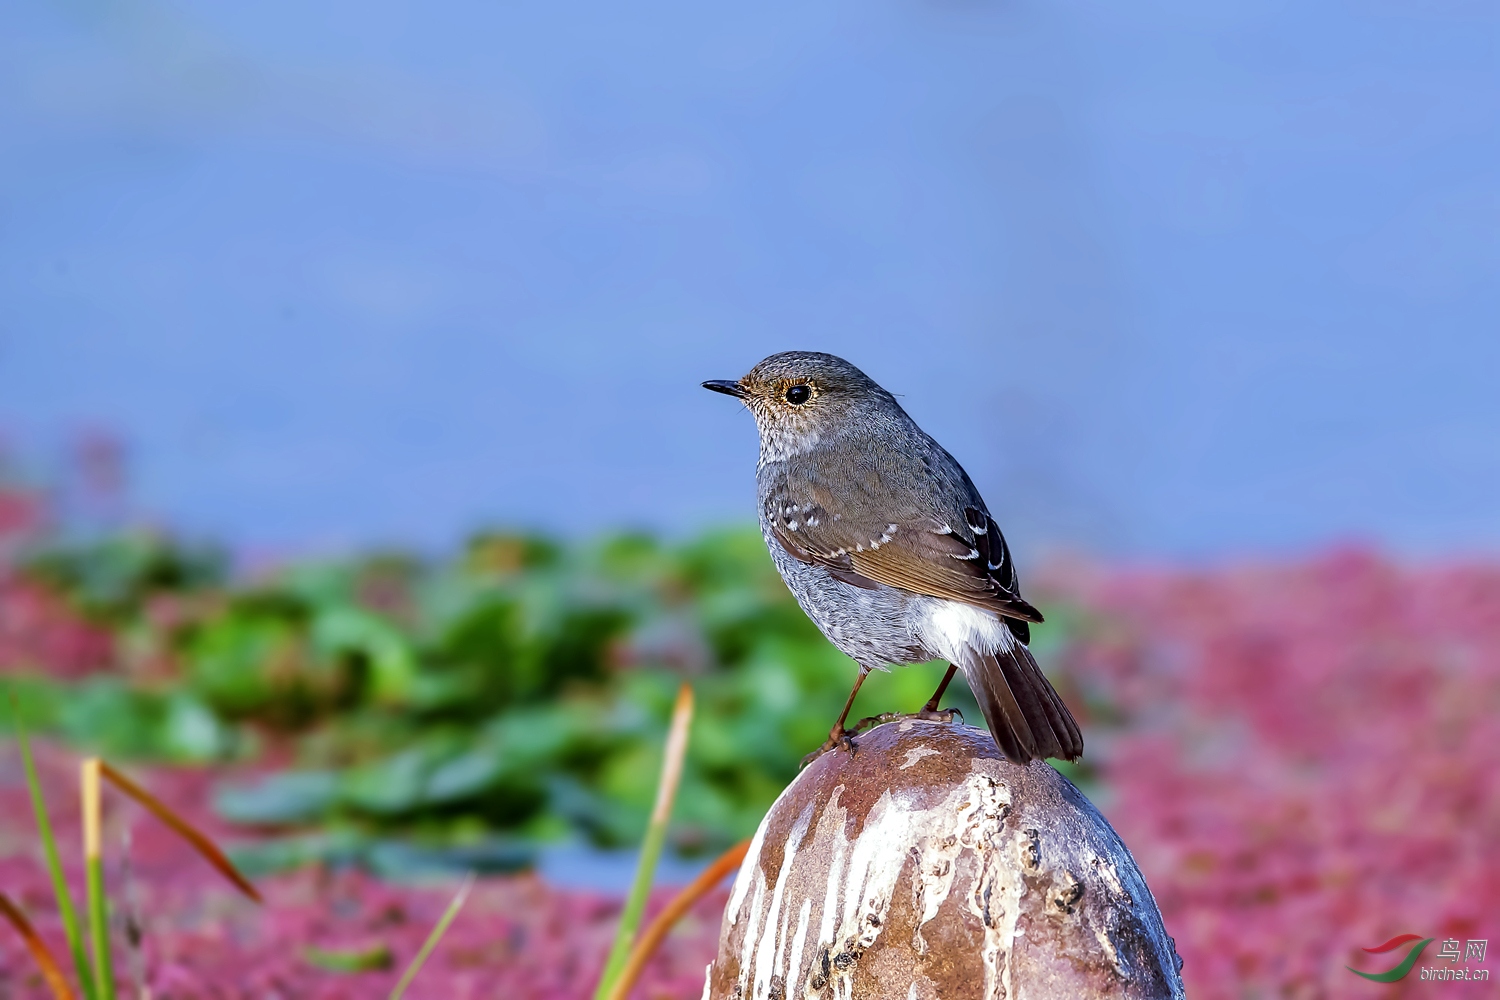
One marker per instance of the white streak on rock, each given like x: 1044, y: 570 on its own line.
x: 995, y: 899
x: 753, y: 928
x: 831, y: 828
x: 871, y: 882
x: 917, y: 753
x: 993, y: 845
x: 799, y: 943
x: 1007, y: 927
x: 748, y: 867
x: 773, y: 934
x: 1111, y: 878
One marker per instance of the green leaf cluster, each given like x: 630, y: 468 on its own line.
x: 519, y: 687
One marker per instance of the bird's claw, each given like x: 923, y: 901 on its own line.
x: 840, y: 739
x: 923, y: 715
x: 843, y: 739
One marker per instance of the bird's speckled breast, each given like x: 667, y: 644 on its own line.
x: 870, y: 626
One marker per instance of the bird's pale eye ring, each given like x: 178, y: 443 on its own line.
x: 798, y: 394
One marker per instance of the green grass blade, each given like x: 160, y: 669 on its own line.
x: 65, y: 907
x: 438, y: 931
x: 104, y: 973
x: 656, y: 838
x: 348, y: 960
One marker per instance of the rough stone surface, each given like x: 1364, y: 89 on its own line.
x: 927, y: 865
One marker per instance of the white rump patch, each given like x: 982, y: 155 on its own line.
x: 951, y: 629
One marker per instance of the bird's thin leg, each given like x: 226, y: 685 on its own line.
x: 838, y: 736
x: 837, y: 731
x: 932, y: 703
x: 927, y: 713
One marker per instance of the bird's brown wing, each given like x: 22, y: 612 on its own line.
x: 967, y: 562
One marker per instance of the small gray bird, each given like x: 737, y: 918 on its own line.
x: 889, y: 548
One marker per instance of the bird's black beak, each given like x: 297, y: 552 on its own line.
x: 725, y: 386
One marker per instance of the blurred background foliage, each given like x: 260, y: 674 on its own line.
x: 512, y: 694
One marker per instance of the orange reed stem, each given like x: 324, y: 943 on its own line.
x: 51, y: 972
x: 657, y: 930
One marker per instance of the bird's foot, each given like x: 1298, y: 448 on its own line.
x: 838, y: 739
x: 843, y: 739
x: 924, y: 714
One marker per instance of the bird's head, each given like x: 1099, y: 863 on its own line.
x: 802, y: 397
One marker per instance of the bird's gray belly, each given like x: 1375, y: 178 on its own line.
x: 869, y: 626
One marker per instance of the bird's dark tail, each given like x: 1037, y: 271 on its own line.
x: 1024, y: 713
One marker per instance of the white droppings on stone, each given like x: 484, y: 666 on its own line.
x: 1111, y: 877
x: 773, y: 934
x: 1107, y: 945
x: 799, y: 944
x: 995, y: 900
x: 1007, y: 928
x: 978, y: 808
x: 917, y: 753
x: 831, y: 827
x: 962, y: 849
x: 872, y: 873
x: 753, y: 929
x: 748, y: 867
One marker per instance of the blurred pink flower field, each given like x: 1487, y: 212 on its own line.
x: 1304, y: 758
x: 515, y: 937
x: 1310, y: 765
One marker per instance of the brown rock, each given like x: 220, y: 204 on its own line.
x: 927, y: 865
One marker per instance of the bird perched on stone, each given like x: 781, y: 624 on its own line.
x: 889, y: 548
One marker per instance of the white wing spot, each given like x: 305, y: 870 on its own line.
x: 792, y: 526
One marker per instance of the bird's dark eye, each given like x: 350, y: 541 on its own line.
x: 798, y: 394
